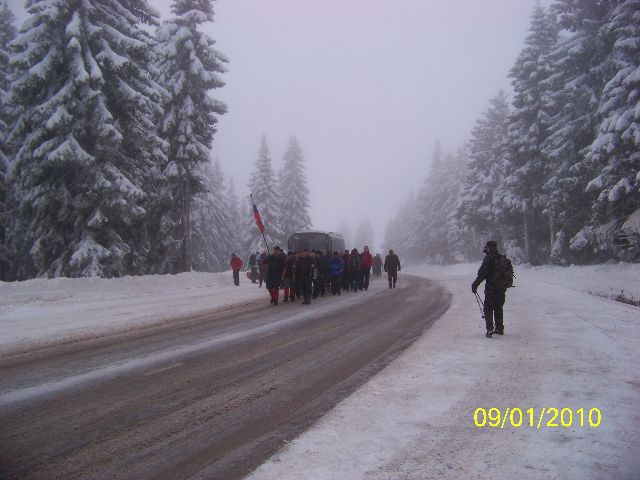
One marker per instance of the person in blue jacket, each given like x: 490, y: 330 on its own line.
x: 336, y: 267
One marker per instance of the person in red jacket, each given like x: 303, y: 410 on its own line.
x: 236, y: 264
x: 366, y: 260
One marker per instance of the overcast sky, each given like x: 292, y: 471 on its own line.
x: 368, y: 86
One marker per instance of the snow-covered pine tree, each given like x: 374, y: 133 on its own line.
x: 294, y: 194
x: 529, y: 123
x: 212, y: 224
x: 455, y: 237
x: 344, y: 229
x: 580, y: 66
x: 615, y: 152
x: 262, y: 185
x: 392, y: 238
x: 483, y: 173
x: 364, y: 235
x: 236, y: 219
x: 188, y: 67
x: 428, y: 202
x: 408, y: 218
x: 82, y: 142
x: 7, y: 34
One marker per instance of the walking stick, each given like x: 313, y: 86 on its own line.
x: 480, y: 304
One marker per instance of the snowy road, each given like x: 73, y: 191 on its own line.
x: 209, y: 396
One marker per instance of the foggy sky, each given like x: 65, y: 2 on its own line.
x: 368, y: 86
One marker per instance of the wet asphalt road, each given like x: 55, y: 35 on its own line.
x: 210, y: 396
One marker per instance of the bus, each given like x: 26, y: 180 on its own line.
x: 326, y: 242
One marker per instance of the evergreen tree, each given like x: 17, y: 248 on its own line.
x: 7, y: 34
x: 236, y: 220
x: 401, y: 230
x: 364, y: 235
x: 82, y: 144
x: 212, y: 224
x: 344, y: 229
x: 454, y: 238
x: 484, y: 168
x: 294, y: 194
x: 189, y: 67
x: 262, y: 185
x: 529, y: 124
x: 615, y: 152
x: 580, y: 66
x: 428, y: 203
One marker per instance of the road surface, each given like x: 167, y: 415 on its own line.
x: 210, y: 396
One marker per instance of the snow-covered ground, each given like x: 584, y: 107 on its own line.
x: 565, y: 346
x: 61, y: 309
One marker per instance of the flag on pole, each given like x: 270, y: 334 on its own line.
x: 256, y: 215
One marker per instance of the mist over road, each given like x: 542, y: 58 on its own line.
x: 209, y: 396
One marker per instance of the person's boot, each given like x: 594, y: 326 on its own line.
x: 489, y: 333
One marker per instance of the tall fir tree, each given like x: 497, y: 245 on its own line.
x: 615, y: 152
x: 427, y: 203
x: 236, y: 223
x: 580, y: 66
x: 262, y: 185
x: 454, y: 239
x: 521, y: 190
x: 364, y: 234
x: 344, y: 229
x: 484, y: 168
x: 82, y: 143
x: 212, y: 224
x: 188, y: 67
x: 294, y: 194
x: 401, y: 230
x: 7, y: 34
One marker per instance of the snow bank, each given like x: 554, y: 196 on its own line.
x: 62, y: 309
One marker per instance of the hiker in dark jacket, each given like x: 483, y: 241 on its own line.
x: 494, y: 294
x: 392, y: 267
x: 288, y: 277
x: 377, y: 265
x: 262, y: 268
x: 305, y: 270
x: 274, y: 264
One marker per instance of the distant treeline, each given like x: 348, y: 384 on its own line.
x: 553, y: 175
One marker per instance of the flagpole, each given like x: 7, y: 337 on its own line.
x: 259, y: 223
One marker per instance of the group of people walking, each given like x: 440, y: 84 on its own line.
x: 311, y: 273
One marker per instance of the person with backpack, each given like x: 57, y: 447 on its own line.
x: 497, y: 273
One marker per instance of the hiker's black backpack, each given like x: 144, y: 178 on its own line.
x: 502, y: 272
